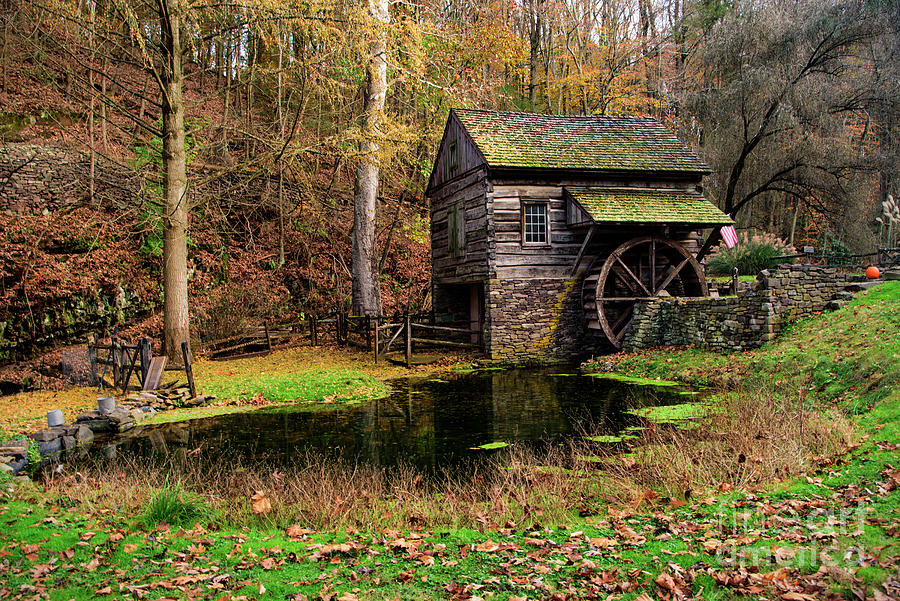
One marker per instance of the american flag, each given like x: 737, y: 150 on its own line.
x: 729, y: 235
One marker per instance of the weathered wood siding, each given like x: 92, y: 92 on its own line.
x: 449, y: 165
x: 470, y: 265
x: 509, y: 258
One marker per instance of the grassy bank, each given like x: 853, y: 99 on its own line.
x: 848, y: 358
x: 317, y: 378
x: 784, y: 487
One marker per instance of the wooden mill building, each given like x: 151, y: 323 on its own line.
x: 546, y: 230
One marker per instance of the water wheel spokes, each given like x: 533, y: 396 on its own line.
x: 640, y: 269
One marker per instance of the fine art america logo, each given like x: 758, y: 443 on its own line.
x: 806, y: 533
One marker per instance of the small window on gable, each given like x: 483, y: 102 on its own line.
x: 453, y: 149
x: 456, y: 229
x: 535, y: 223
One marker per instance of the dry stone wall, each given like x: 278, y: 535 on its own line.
x: 35, y: 179
x: 745, y: 321
x: 23, y: 334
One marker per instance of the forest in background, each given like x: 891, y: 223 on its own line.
x: 793, y: 104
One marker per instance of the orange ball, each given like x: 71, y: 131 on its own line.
x: 873, y: 272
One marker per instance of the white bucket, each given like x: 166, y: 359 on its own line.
x: 106, y: 404
x: 55, y: 418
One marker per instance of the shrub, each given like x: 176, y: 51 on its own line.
x: 236, y: 306
x: 750, y: 255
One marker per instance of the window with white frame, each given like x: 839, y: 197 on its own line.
x: 535, y: 223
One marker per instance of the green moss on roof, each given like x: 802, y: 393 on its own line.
x: 535, y: 141
x: 606, y: 205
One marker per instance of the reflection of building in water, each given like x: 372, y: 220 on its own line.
x: 399, y: 428
x: 423, y: 423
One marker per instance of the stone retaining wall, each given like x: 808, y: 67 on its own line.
x: 23, y: 334
x: 35, y: 179
x: 745, y: 321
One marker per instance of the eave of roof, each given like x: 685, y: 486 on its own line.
x: 639, y: 206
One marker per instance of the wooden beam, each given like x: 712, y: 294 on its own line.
x: 188, y: 368
x: 631, y: 273
x: 407, y: 350
x: 584, y: 245
x: 155, y: 373
x: 674, y: 273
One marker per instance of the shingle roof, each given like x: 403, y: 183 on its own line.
x: 606, y: 205
x: 596, y: 143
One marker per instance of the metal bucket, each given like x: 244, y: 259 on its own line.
x: 106, y: 404
x: 55, y: 418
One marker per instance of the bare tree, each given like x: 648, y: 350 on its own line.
x: 175, y: 192
x: 781, y: 91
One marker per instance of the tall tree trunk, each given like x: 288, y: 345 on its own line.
x: 535, y: 23
x: 280, y: 113
x: 175, y: 219
x: 366, y: 290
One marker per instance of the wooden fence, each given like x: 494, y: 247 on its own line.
x: 886, y: 258
x: 376, y: 334
x: 122, y: 360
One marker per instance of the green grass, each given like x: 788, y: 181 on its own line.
x: 336, y: 387
x: 174, y: 506
x: 670, y: 414
x: 79, y: 548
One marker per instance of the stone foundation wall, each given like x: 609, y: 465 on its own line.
x: 536, y: 319
x: 746, y: 321
x: 34, y: 179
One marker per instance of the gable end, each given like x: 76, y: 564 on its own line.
x: 457, y: 155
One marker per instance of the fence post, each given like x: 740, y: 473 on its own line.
x: 145, y: 358
x: 375, y: 346
x: 188, y: 369
x: 313, y: 331
x: 117, y: 358
x: 368, y: 324
x: 407, y: 351
x: 92, y: 357
x: 268, y: 338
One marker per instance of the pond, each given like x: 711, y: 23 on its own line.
x: 428, y: 423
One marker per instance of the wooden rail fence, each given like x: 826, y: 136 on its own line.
x: 376, y: 334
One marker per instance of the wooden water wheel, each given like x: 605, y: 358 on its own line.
x: 640, y: 269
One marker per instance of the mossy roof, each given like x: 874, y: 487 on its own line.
x: 606, y: 205
x: 529, y: 140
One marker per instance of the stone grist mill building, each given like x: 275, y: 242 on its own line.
x: 546, y: 230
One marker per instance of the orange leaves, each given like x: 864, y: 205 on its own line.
x: 260, y: 503
x: 674, y: 584
x: 297, y: 532
x: 487, y: 546
x: 331, y: 551
x: 631, y: 537
x: 604, y: 543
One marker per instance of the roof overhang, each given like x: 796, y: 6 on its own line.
x: 641, y: 206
